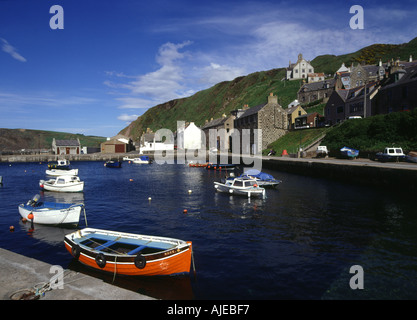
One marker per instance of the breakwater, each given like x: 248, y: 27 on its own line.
x: 396, y: 176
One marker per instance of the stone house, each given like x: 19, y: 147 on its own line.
x: 222, y: 140
x: 398, y: 91
x: 300, y: 69
x: 359, y: 75
x: 343, y: 104
x: 270, y: 119
x: 71, y: 146
x: 314, y: 91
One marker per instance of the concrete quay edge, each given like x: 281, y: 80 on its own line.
x: 19, y: 272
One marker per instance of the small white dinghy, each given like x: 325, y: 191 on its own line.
x: 240, y: 186
x: 61, y: 172
x: 51, y: 213
x: 62, y: 184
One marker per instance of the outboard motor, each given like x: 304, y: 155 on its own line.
x: 32, y: 202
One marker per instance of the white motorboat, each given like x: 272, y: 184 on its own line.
x: 63, y: 184
x: 51, y: 213
x: 142, y: 159
x: 59, y: 172
x: 241, y: 186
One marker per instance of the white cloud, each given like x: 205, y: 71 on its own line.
x: 6, y: 47
x: 215, y: 73
x: 135, y: 103
x: 127, y: 118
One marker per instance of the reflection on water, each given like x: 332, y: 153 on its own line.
x: 298, y: 243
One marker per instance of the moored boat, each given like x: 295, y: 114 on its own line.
x: 51, y: 213
x: 349, y: 152
x: 62, y: 164
x: 142, y: 159
x: 129, y: 254
x: 113, y: 164
x: 59, y: 172
x: 219, y: 167
x: 62, y: 184
x: 262, y: 179
x: 241, y: 186
x: 197, y: 164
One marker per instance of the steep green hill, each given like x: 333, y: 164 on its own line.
x: 253, y: 90
x: 223, y: 97
x: 16, y: 139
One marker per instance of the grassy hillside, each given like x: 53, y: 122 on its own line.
x: 16, y: 139
x: 223, y: 97
x: 373, y: 134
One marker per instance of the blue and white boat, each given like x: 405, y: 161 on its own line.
x: 51, y: 213
x: 113, y: 164
x: 349, y: 152
x: 142, y: 159
x: 262, y: 179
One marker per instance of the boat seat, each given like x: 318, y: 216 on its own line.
x: 136, y: 250
x: 105, y: 245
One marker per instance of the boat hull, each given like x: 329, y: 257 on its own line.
x: 73, y: 187
x: 58, y: 172
x: 52, y: 213
x: 248, y: 192
x: 174, y: 260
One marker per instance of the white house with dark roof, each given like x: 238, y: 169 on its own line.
x: 300, y: 69
x: 72, y: 146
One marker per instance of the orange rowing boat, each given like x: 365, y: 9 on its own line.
x: 129, y: 254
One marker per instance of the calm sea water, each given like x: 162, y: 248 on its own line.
x: 298, y: 243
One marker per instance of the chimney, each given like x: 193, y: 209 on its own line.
x: 272, y: 99
x: 245, y: 107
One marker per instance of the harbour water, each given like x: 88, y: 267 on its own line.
x: 298, y: 243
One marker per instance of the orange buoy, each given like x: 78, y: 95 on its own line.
x: 284, y: 153
x: 24, y: 220
x: 30, y: 216
x: 11, y: 228
x: 185, y: 211
x: 130, y: 179
x: 255, y: 185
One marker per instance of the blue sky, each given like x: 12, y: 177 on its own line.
x: 115, y: 59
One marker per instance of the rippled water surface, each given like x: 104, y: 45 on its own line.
x: 298, y: 243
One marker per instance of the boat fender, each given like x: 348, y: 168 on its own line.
x: 140, y: 261
x: 101, y: 260
x: 75, y: 251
